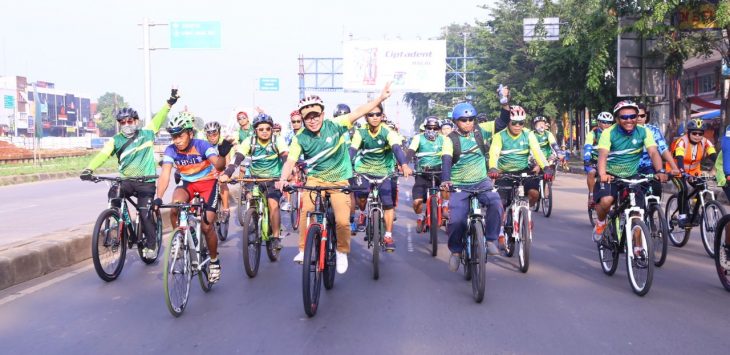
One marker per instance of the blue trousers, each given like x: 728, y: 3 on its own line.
x: 459, y: 212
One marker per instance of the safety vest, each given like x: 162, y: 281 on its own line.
x: 693, y: 153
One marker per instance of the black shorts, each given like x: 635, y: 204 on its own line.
x: 270, y: 190
x: 505, y: 185
x: 385, y: 191
x: 603, y: 189
x: 421, y: 186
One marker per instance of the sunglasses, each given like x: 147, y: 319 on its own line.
x: 466, y: 119
x: 432, y: 128
x: 312, y: 115
x: 263, y: 129
x: 628, y: 117
x: 211, y: 133
x: 374, y: 114
x: 517, y: 123
x: 128, y: 121
x: 296, y: 122
x: 697, y: 133
x: 643, y: 115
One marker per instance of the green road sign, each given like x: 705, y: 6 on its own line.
x: 268, y: 84
x: 195, y: 34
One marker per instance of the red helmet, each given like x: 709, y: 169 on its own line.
x: 277, y: 127
x: 294, y: 113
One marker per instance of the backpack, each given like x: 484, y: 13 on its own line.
x: 454, y: 136
x: 253, y: 145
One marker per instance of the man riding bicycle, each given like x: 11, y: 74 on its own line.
x: 590, y: 152
x: 463, y: 163
x: 545, y: 138
x: 373, y: 149
x: 645, y: 166
x: 225, y: 149
x: 689, y: 151
x: 426, y: 148
x: 197, y: 162
x: 267, y: 156
x: 619, y: 153
x: 322, y: 144
x: 134, y: 148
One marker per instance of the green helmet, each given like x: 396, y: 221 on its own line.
x: 182, y: 121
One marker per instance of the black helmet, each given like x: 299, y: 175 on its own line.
x: 482, y: 117
x: 341, y: 109
x: 127, y: 112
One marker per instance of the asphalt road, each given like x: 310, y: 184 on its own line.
x: 563, y: 305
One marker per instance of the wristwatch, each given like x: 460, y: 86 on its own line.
x: 661, y: 171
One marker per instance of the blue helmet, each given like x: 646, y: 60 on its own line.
x: 463, y: 109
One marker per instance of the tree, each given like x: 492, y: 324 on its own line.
x: 107, y: 107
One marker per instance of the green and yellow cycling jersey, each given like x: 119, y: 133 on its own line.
x: 471, y: 167
x: 325, y: 152
x: 510, y: 153
x: 546, y: 140
x: 427, y: 152
x: 375, y: 156
x: 244, y: 134
x: 624, y: 149
x: 138, y: 158
x: 265, y: 161
x: 487, y: 131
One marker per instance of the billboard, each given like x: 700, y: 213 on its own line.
x: 698, y: 17
x: 415, y: 66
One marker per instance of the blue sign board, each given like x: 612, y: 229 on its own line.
x: 9, y: 101
x: 268, y: 84
x: 195, y: 34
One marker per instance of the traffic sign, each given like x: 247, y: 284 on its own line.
x: 9, y: 101
x: 268, y: 84
x: 195, y: 34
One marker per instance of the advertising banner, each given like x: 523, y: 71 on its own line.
x: 414, y: 66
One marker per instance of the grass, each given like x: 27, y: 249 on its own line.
x: 58, y: 165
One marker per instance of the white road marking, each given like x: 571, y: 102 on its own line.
x: 45, y: 284
x: 410, y: 241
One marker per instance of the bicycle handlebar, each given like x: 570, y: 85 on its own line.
x: 291, y: 188
x: 374, y: 180
x: 95, y: 178
x: 235, y: 181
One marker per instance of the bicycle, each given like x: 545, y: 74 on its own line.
x: 546, y: 193
x: 656, y: 222
x: 300, y: 178
x: 256, y: 226
x: 518, y: 221
x: 222, y: 219
x: 432, y: 218
x: 722, y: 252
x: 703, y: 211
x: 114, y: 232
x: 375, y: 228
x: 187, y: 256
x: 614, y: 239
x: 320, y: 260
x: 474, y: 254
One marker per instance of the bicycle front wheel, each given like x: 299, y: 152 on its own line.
x: 177, y: 274
x: 295, y: 210
x: 311, y: 275
x: 221, y: 222
x: 722, y: 259
x: 711, y: 213
x: 608, y: 250
x: 657, y: 224
x: 478, y: 261
x: 330, y: 263
x: 547, y: 200
x: 433, y: 222
x: 639, y: 261
x: 108, y: 246
x: 523, y: 250
x: 592, y: 216
x: 251, y: 243
x: 375, y: 238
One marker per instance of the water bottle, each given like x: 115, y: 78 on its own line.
x: 192, y: 224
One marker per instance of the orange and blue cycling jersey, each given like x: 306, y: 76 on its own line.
x: 193, y: 164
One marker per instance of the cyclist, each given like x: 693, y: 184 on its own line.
x: 546, y: 139
x: 463, y: 163
x: 295, y: 121
x: 322, y: 144
x: 245, y: 129
x: 619, y: 152
x: 722, y: 176
x: 267, y: 154
x: 446, y: 127
x: 642, y: 119
x: 197, y: 161
x: 426, y: 147
x: 134, y: 148
x: 690, y: 150
x: 277, y: 130
x: 373, y: 149
x: 590, y: 155
x: 225, y: 150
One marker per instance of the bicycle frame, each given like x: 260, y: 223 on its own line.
x: 320, y: 209
x: 519, y: 200
x: 430, y: 193
x: 373, y: 199
x: 189, y: 220
x: 626, y: 208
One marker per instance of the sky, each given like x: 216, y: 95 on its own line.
x: 92, y: 47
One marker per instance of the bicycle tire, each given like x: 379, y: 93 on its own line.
x: 509, y: 250
x: 658, y: 230
x: 221, y: 223
x: 672, y: 214
x: 375, y: 238
x: 251, y: 243
x: 722, y: 259
x: 294, y: 214
x: 478, y: 261
x: 241, y: 209
x: 640, y: 272
x: 523, y: 255
x: 592, y: 216
x: 433, y: 222
x: 203, y: 273
x: 708, y: 225
x: 157, y: 222
x: 330, y: 263
x: 547, y: 202
x: 311, y: 277
x: 608, y: 250
x: 109, y: 257
x: 272, y: 252
x: 178, y: 269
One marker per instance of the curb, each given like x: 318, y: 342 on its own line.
x: 22, y: 179
x: 24, y: 261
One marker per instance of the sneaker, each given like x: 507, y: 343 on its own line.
x: 285, y: 206
x: 277, y: 242
x: 454, y: 262
x: 299, y: 259
x: 353, y: 228
x: 419, y: 226
x: 214, y: 271
x: 148, y: 253
x: 341, y: 262
x: 682, y: 223
x: 389, y: 244
x: 501, y: 242
x: 492, y: 249
x: 598, y: 231
x: 640, y: 257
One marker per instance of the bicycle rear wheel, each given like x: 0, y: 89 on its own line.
x: 177, y: 274
x: 657, y: 224
x: 295, y: 210
x: 524, y: 241
x: 108, y: 245
x: 311, y: 276
x: 251, y: 243
x: 434, y: 225
x: 478, y: 260
x: 608, y: 249
x: 547, y: 201
x: 722, y: 259
x: 241, y: 209
x: 592, y: 217
x: 204, y: 271
x: 375, y: 238
x: 640, y: 267
x: 221, y: 222
x: 677, y: 236
x: 508, y: 233
x: 711, y: 213
x: 330, y: 263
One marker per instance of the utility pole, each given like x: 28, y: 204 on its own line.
x: 464, y: 34
x: 146, y: 49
